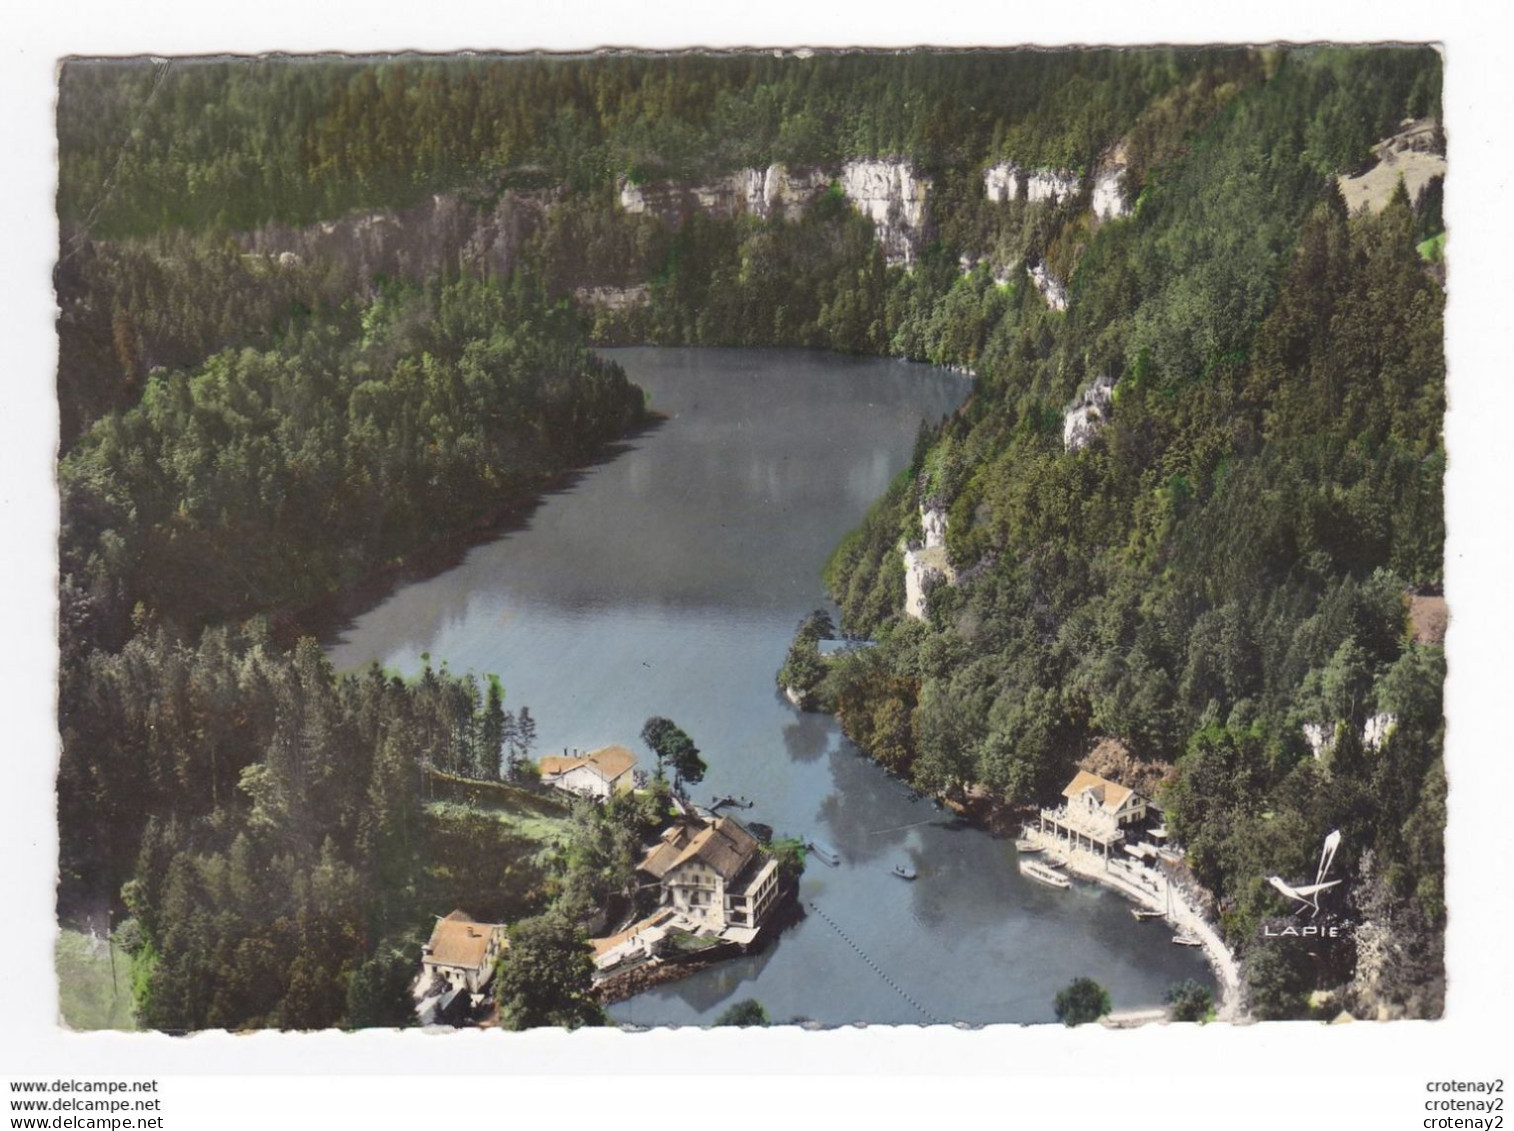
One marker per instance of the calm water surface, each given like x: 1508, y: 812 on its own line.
x: 668, y: 581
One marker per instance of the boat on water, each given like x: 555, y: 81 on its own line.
x: 825, y: 853
x: 1142, y: 914
x: 1184, y: 938
x: 729, y: 802
x: 1027, y: 846
x: 904, y: 872
x: 1044, y: 874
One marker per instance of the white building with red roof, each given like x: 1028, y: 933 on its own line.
x: 462, y: 952
x: 599, y: 774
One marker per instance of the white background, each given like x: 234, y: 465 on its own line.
x: 1294, y: 1075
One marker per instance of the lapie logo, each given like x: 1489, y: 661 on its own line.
x: 1306, y: 897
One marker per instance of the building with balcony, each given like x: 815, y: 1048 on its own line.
x: 1095, y: 815
x: 714, y: 874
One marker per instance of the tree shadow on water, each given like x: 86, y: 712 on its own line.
x: 808, y: 736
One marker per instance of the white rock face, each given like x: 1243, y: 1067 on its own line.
x: 933, y: 523
x: 1049, y: 185
x: 1001, y: 183
x: 613, y: 298
x: 926, y: 566
x: 887, y: 192
x: 893, y: 198
x: 793, y: 189
x: 1108, y: 198
x: 1321, y: 739
x: 1052, y: 289
x: 1088, y: 414
x: 632, y: 198
x: 1376, y: 732
x: 924, y: 569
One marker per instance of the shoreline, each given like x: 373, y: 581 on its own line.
x: 325, y: 617
x: 1181, y: 914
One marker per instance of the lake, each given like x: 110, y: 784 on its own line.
x: 669, y: 580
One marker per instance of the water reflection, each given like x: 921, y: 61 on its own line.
x: 668, y: 581
x: 808, y: 736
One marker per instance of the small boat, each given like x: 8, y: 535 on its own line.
x: 905, y: 872
x: 729, y: 802
x: 1044, y: 874
x: 1183, y: 938
x: 1028, y: 846
x: 825, y: 853
x: 1142, y: 914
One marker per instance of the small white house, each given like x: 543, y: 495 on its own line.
x: 462, y: 953
x: 607, y: 771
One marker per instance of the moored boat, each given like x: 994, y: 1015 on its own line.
x: 1044, y: 874
x: 1184, y: 938
x: 1027, y: 846
x: 1142, y: 913
x: 905, y: 872
x: 825, y: 853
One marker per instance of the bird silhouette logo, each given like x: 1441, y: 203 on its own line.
x: 1307, y: 895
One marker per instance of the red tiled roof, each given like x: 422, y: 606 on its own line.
x: 459, y: 941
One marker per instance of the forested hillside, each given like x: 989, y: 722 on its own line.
x: 1226, y: 561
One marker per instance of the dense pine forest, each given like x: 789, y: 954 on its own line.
x: 248, y: 430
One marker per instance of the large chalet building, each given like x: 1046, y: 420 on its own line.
x: 714, y: 874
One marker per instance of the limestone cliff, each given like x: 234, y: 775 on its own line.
x: 1109, y: 193
x: 1052, y: 289
x: 926, y: 566
x: 1007, y: 181
x: 1086, y: 417
x: 887, y: 192
x: 442, y: 235
x: 757, y: 191
x: 893, y: 197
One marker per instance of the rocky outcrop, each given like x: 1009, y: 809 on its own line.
x: 1087, y: 415
x: 1416, y: 153
x: 933, y: 526
x: 1052, y: 289
x: 891, y: 195
x: 1049, y: 185
x: 445, y: 234
x: 1007, y: 181
x: 923, y: 571
x: 1001, y: 183
x: 926, y: 566
x: 613, y: 298
x: 1320, y: 738
x: 888, y: 193
x: 760, y: 192
x: 1377, y: 730
x: 1109, y: 193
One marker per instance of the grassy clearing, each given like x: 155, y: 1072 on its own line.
x: 1433, y: 250
x: 90, y: 994
x: 526, y: 813
x: 547, y: 831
